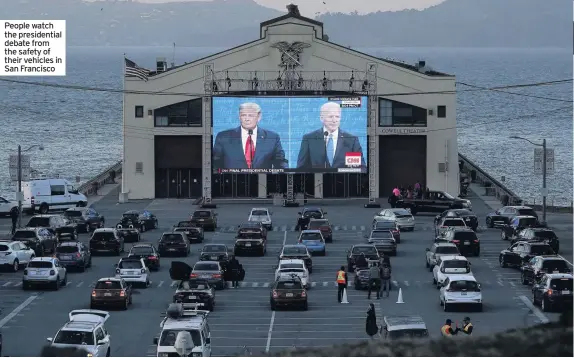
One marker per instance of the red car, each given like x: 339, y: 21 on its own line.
x: 324, y: 226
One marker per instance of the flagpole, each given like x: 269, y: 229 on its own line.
x: 123, y: 196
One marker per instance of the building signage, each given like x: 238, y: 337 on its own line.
x: 404, y: 131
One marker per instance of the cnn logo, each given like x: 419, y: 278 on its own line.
x: 353, y: 160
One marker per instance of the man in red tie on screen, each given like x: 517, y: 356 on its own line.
x: 248, y: 146
x: 329, y: 146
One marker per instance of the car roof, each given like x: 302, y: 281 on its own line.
x: 69, y: 243
x: 461, y: 228
x: 397, y: 323
x: 524, y: 217
x: 259, y: 209
x: 195, y: 322
x: 463, y: 278
x: 250, y: 224
x: 103, y: 279
x: 559, y: 275
x: 362, y: 245
x: 45, y: 215
x: 295, y: 245
x: 206, y: 262
x: 214, y: 245
x: 452, y: 218
x: 312, y: 208
x: 323, y: 219
x: 131, y: 212
x: 518, y: 207
x: 535, y: 243
x: 30, y: 228
x: 550, y: 257
x: 539, y: 229
x: 450, y: 244
x: 296, y: 279
x: 453, y: 257
x: 105, y: 229
x: 44, y: 259
x: 133, y: 259
x: 77, y: 209
x: 143, y: 245
x: 292, y: 261
x: 82, y: 326
x: 310, y: 231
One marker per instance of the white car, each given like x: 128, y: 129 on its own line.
x: 438, y: 250
x: 133, y: 270
x: 460, y: 290
x: 450, y: 267
x: 403, y: 217
x: 44, y: 195
x: 287, y: 268
x: 44, y: 271
x: 15, y: 253
x: 85, y: 330
x: 448, y: 223
x: 7, y: 205
x: 262, y: 215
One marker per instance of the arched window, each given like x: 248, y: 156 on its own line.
x: 182, y: 114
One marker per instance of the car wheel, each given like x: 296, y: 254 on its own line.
x: 477, y: 253
x: 57, y: 283
x: 489, y: 223
x: 83, y: 267
x: 43, y: 209
x: 16, y: 265
x: 65, y: 281
x: 502, y: 261
x: 126, y: 304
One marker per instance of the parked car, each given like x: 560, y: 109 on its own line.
x: 41, y: 240
x: 403, y: 217
x: 15, y: 254
x: 56, y: 224
x: 86, y: 219
x: 74, y: 254
x: 288, y: 292
x: 553, y: 292
x: 44, y: 271
x: 503, y: 215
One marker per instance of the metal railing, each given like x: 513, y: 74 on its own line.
x: 105, y: 177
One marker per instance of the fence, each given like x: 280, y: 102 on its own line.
x: 88, y: 188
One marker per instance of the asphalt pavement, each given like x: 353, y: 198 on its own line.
x: 243, y: 322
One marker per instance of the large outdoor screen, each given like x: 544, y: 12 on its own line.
x: 289, y: 135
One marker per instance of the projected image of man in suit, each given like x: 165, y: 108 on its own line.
x: 326, y: 147
x: 248, y: 146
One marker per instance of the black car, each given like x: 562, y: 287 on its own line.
x: 384, y: 241
x: 252, y: 229
x: 175, y: 243
x: 521, y: 252
x: 384, y: 224
x: 87, y: 219
x: 130, y: 235
x: 361, y: 280
x: 106, y: 241
x: 324, y: 226
x: 538, y: 266
x: 539, y: 234
x: 433, y: 201
x: 468, y: 216
x: 148, y: 253
x: 465, y: 239
x: 191, y: 292
x: 503, y: 215
x: 41, y: 240
x: 215, y: 252
x: 297, y: 252
x: 111, y: 291
x: 56, y: 224
x: 194, y: 233
x: 74, y: 255
x: 206, y: 219
x: 517, y: 224
x: 250, y: 243
x: 140, y: 220
x: 306, y: 215
x: 370, y: 252
x: 553, y: 292
x: 288, y: 292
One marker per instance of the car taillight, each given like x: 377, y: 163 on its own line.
x: 52, y: 272
x: 456, y: 241
x: 275, y: 295
x: 78, y: 255
x: 122, y: 293
x: 216, y: 275
x: 475, y: 240
x: 193, y: 275
x: 118, y: 271
x: 93, y: 293
x: 303, y: 294
x: 152, y: 258
x: 549, y: 291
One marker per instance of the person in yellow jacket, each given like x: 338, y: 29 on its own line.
x: 447, y: 330
x: 467, y: 326
x: 341, y: 283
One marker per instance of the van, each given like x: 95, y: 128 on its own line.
x: 44, y: 195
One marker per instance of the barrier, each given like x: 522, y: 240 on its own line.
x: 101, y: 179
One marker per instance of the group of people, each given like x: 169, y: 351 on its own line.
x: 447, y: 330
x: 410, y: 192
x: 236, y: 272
x: 379, y: 276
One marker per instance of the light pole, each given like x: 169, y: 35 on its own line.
x: 20, y: 196
x: 543, y: 145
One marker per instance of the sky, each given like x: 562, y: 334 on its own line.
x: 311, y: 8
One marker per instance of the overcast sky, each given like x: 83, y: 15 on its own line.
x: 311, y: 7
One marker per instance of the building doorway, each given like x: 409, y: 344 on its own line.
x: 352, y: 185
x: 178, y: 183
x: 235, y: 185
x: 402, y: 161
x: 302, y: 183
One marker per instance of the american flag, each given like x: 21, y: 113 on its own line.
x: 133, y: 70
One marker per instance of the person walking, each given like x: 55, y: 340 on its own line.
x: 374, y: 280
x: 466, y: 326
x: 447, y: 331
x: 14, y: 213
x: 385, y: 279
x: 371, y: 323
x: 234, y: 267
x: 113, y: 176
x: 342, y: 282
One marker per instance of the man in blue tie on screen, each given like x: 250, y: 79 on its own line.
x: 248, y: 146
x: 327, y: 147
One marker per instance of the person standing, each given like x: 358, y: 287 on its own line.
x: 14, y: 213
x: 371, y: 324
x: 341, y: 283
x: 234, y: 266
x: 374, y: 280
x: 467, y: 326
x: 385, y: 279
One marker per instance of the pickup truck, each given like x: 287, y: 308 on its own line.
x: 518, y: 223
x: 433, y: 201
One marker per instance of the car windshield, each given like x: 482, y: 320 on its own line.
x: 541, y: 250
x: 206, y: 266
x: 130, y: 216
x: 66, y: 249
x: 24, y: 234
x: 447, y: 250
x: 553, y: 265
x: 39, y: 222
x: 561, y: 284
x: 214, y: 248
x: 381, y: 235
x: 402, y: 213
x: 184, y: 224
x: 529, y: 212
x: 294, y: 250
x: 379, y: 241
x: 408, y: 333
x: 311, y: 237
x: 259, y: 213
x: 465, y: 235
x: 285, y: 267
x: 40, y: 264
x: 460, y: 212
x: 169, y: 336
x: 141, y: 250
x: 289, y: 285
x: 201, y: 214
x: 455, y: 264
x: 4, y: 248
x: 316, y: 224
x: 104, y: 236
x: 73, y: 213
x: 527, y: 222
x: 464, y: 285
x: 193, y: 285
x: 453, y: 222
x: 75, y: 338
x: 172, y: 237
x: 367, y: 250
x: 545, y: 234
x: 311, y: 213
x: 130, y: 264
x: 108, y: 285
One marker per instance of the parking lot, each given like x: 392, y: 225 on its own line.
x: 243, y: 322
